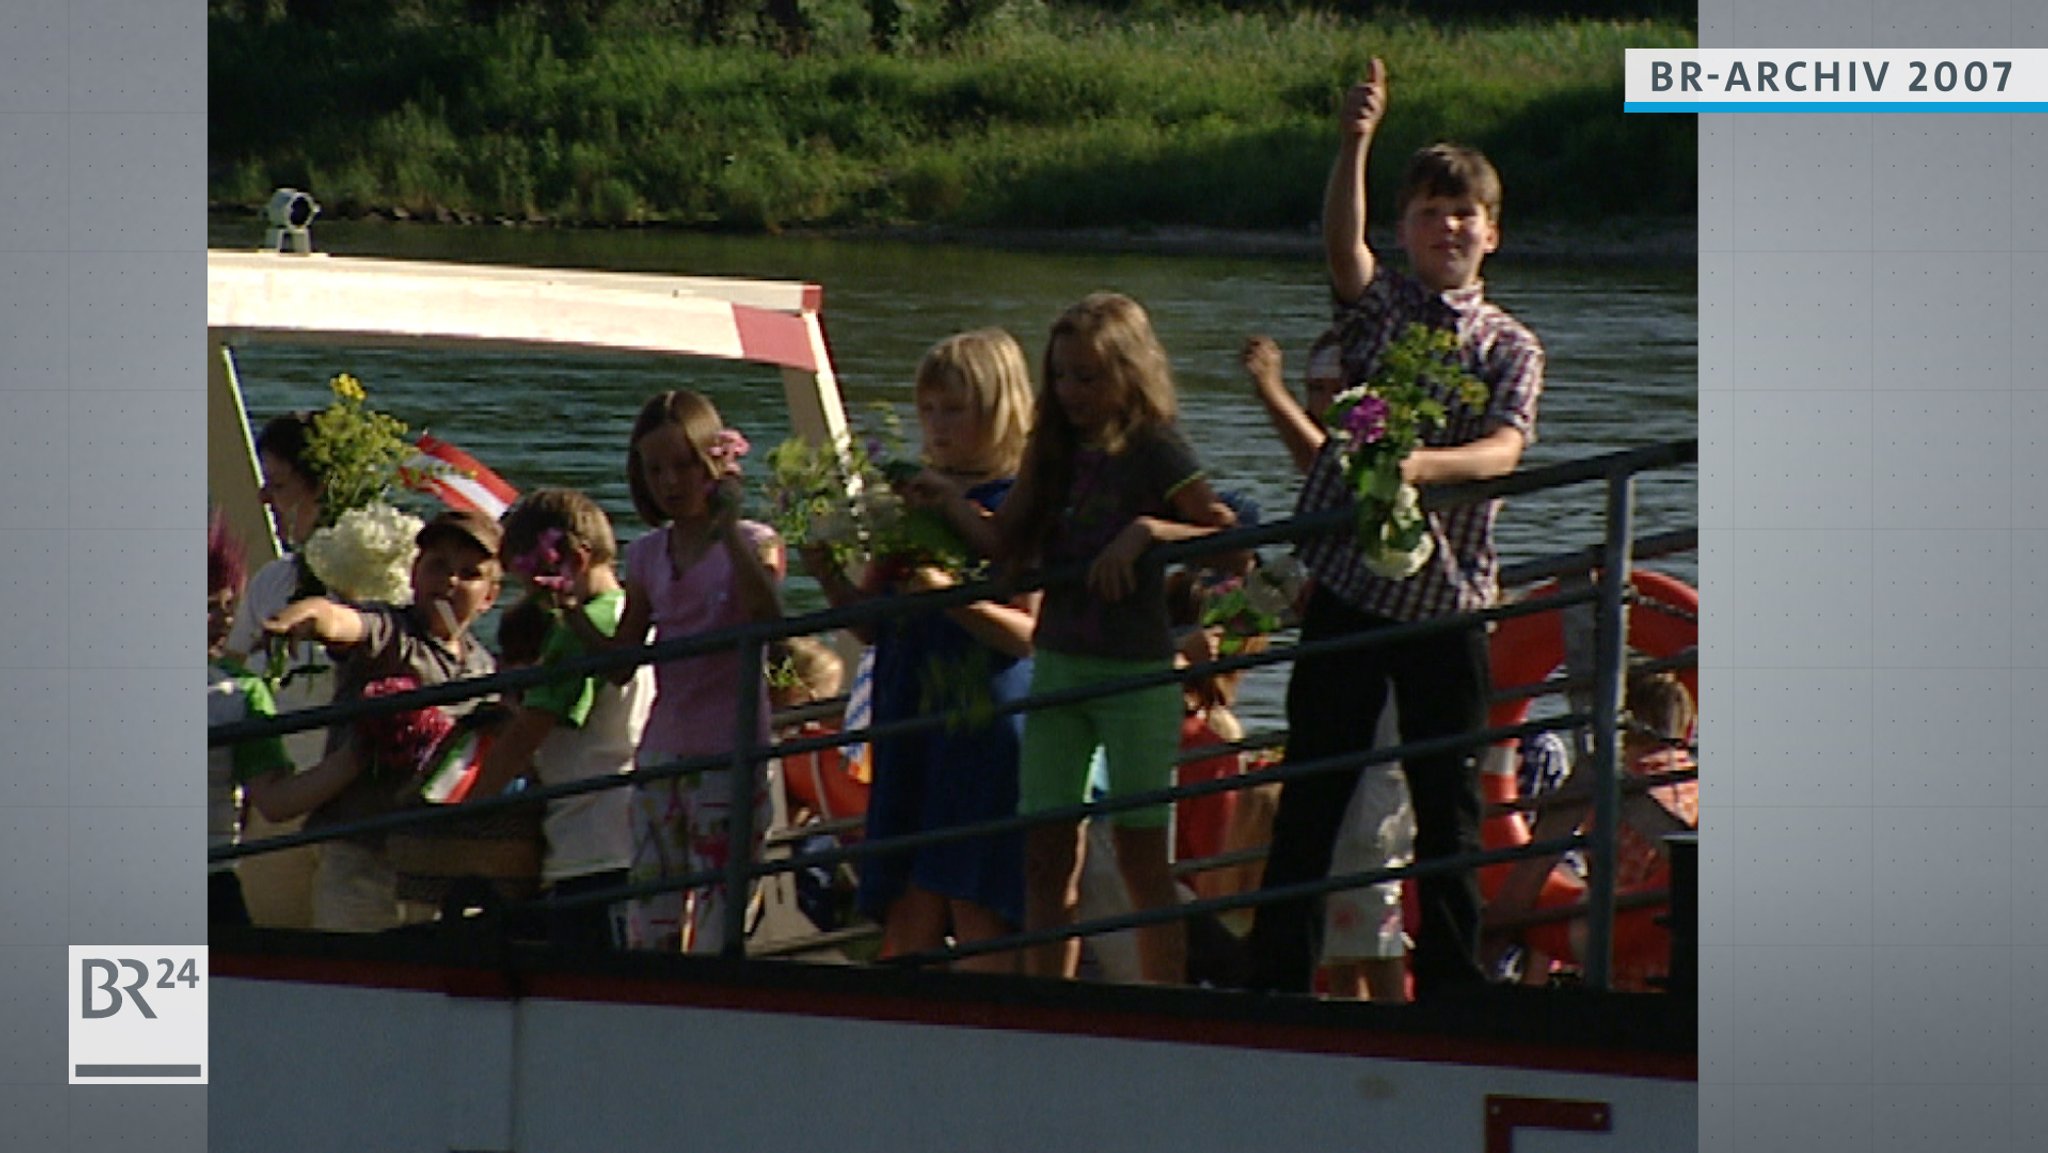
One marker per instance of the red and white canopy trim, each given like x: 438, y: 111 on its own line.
x: 460, y: 480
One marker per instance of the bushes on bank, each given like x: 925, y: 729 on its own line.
x: 599, y: 112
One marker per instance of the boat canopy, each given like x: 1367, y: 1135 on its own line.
x: 257, y: 296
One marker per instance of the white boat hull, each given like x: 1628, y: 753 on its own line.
x: 394, y: 1055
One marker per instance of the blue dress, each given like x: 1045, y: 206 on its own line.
x: 963, y: 772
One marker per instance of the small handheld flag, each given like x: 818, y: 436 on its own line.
x: 460, y: 480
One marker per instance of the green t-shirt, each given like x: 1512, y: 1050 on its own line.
x: 570, y: 701
x: 251, y: 759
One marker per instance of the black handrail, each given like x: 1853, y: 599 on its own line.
x: 1611, y: 559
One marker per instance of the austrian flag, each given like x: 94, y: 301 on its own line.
x: 459, y: 479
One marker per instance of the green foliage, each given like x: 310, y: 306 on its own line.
x: 842, y: 499
x: 355, y: 450
x: 1008, y: 112
x: 1384, y: 420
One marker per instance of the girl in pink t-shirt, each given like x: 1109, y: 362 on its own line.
x: 702, y: 568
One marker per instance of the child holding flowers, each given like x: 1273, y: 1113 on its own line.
x: 302, y: 678
x: 1380, y: 575
x: 326, y: 476
x: 559, y: 540
x: 973, y: 394
x: 383, y: 647
x: 702, y: 568
x: 1106, y: 474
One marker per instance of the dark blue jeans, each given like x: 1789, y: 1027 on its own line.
x: 1334, y: 700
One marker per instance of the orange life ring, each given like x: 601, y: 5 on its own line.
x: 823, y: 780
x: 1524, y: 652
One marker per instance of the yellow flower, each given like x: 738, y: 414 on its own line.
x: 354, y: 450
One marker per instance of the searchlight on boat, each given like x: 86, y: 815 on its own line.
x: 291, y: 214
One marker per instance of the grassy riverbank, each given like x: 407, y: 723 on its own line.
x: 1034, y: 120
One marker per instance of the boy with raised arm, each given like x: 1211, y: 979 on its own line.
x: 454, y: 580
x: 1448, y: 223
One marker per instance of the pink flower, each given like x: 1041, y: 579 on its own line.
x: 543, y: 564
x: 542, y: 557
x: 1367, y: 421
x: 727, y: 448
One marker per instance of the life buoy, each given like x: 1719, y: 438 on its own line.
x: 1524, y: 652
x: 824, y: 780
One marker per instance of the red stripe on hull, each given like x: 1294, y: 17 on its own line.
x: 1006, y: 1015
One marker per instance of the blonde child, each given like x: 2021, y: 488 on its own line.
x: 701, y: 569
x: 803, y: 671
x: 454, y: 580
x: 973, y: 394
x: 575, y: 729
x: 1106, y: 474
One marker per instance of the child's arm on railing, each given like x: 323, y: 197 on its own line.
x: 1196, y: 513
x: 1495, y: 454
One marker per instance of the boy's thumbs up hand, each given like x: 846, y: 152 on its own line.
x: 1366, y: 102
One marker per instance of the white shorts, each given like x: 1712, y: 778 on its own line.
x: 1378, y: 832
x: 355, y: 890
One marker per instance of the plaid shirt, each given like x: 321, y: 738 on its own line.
x: 1463, y: 573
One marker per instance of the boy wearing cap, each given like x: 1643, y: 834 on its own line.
x: 454, y: 581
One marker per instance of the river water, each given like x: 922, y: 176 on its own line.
x: 1621, y: 341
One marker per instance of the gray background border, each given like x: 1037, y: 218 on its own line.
x: 102, y: 313
x: 1872, y: 521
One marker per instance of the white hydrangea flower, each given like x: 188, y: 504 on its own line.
x: 366, y: 555
x: 1386, y: 557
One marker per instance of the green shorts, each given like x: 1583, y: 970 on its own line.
x: 1138, y: 732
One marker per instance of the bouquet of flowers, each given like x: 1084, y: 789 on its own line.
x: 1256, y: 604
x: 356, y: 451
x: 364, y: 547
x: 400, y: 742
x: 1380, y: 423
x: 843, y: 498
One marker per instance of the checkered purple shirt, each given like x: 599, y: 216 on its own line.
x: 1463, y: 574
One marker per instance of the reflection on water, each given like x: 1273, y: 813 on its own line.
x: 1621, y: 344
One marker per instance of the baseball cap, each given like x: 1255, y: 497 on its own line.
x: 464, y: 524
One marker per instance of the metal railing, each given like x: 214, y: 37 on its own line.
x: 1609, y: 561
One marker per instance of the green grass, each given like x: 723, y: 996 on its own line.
x: 1035, y: 120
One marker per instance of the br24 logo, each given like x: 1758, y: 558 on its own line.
x: 101, y: 974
